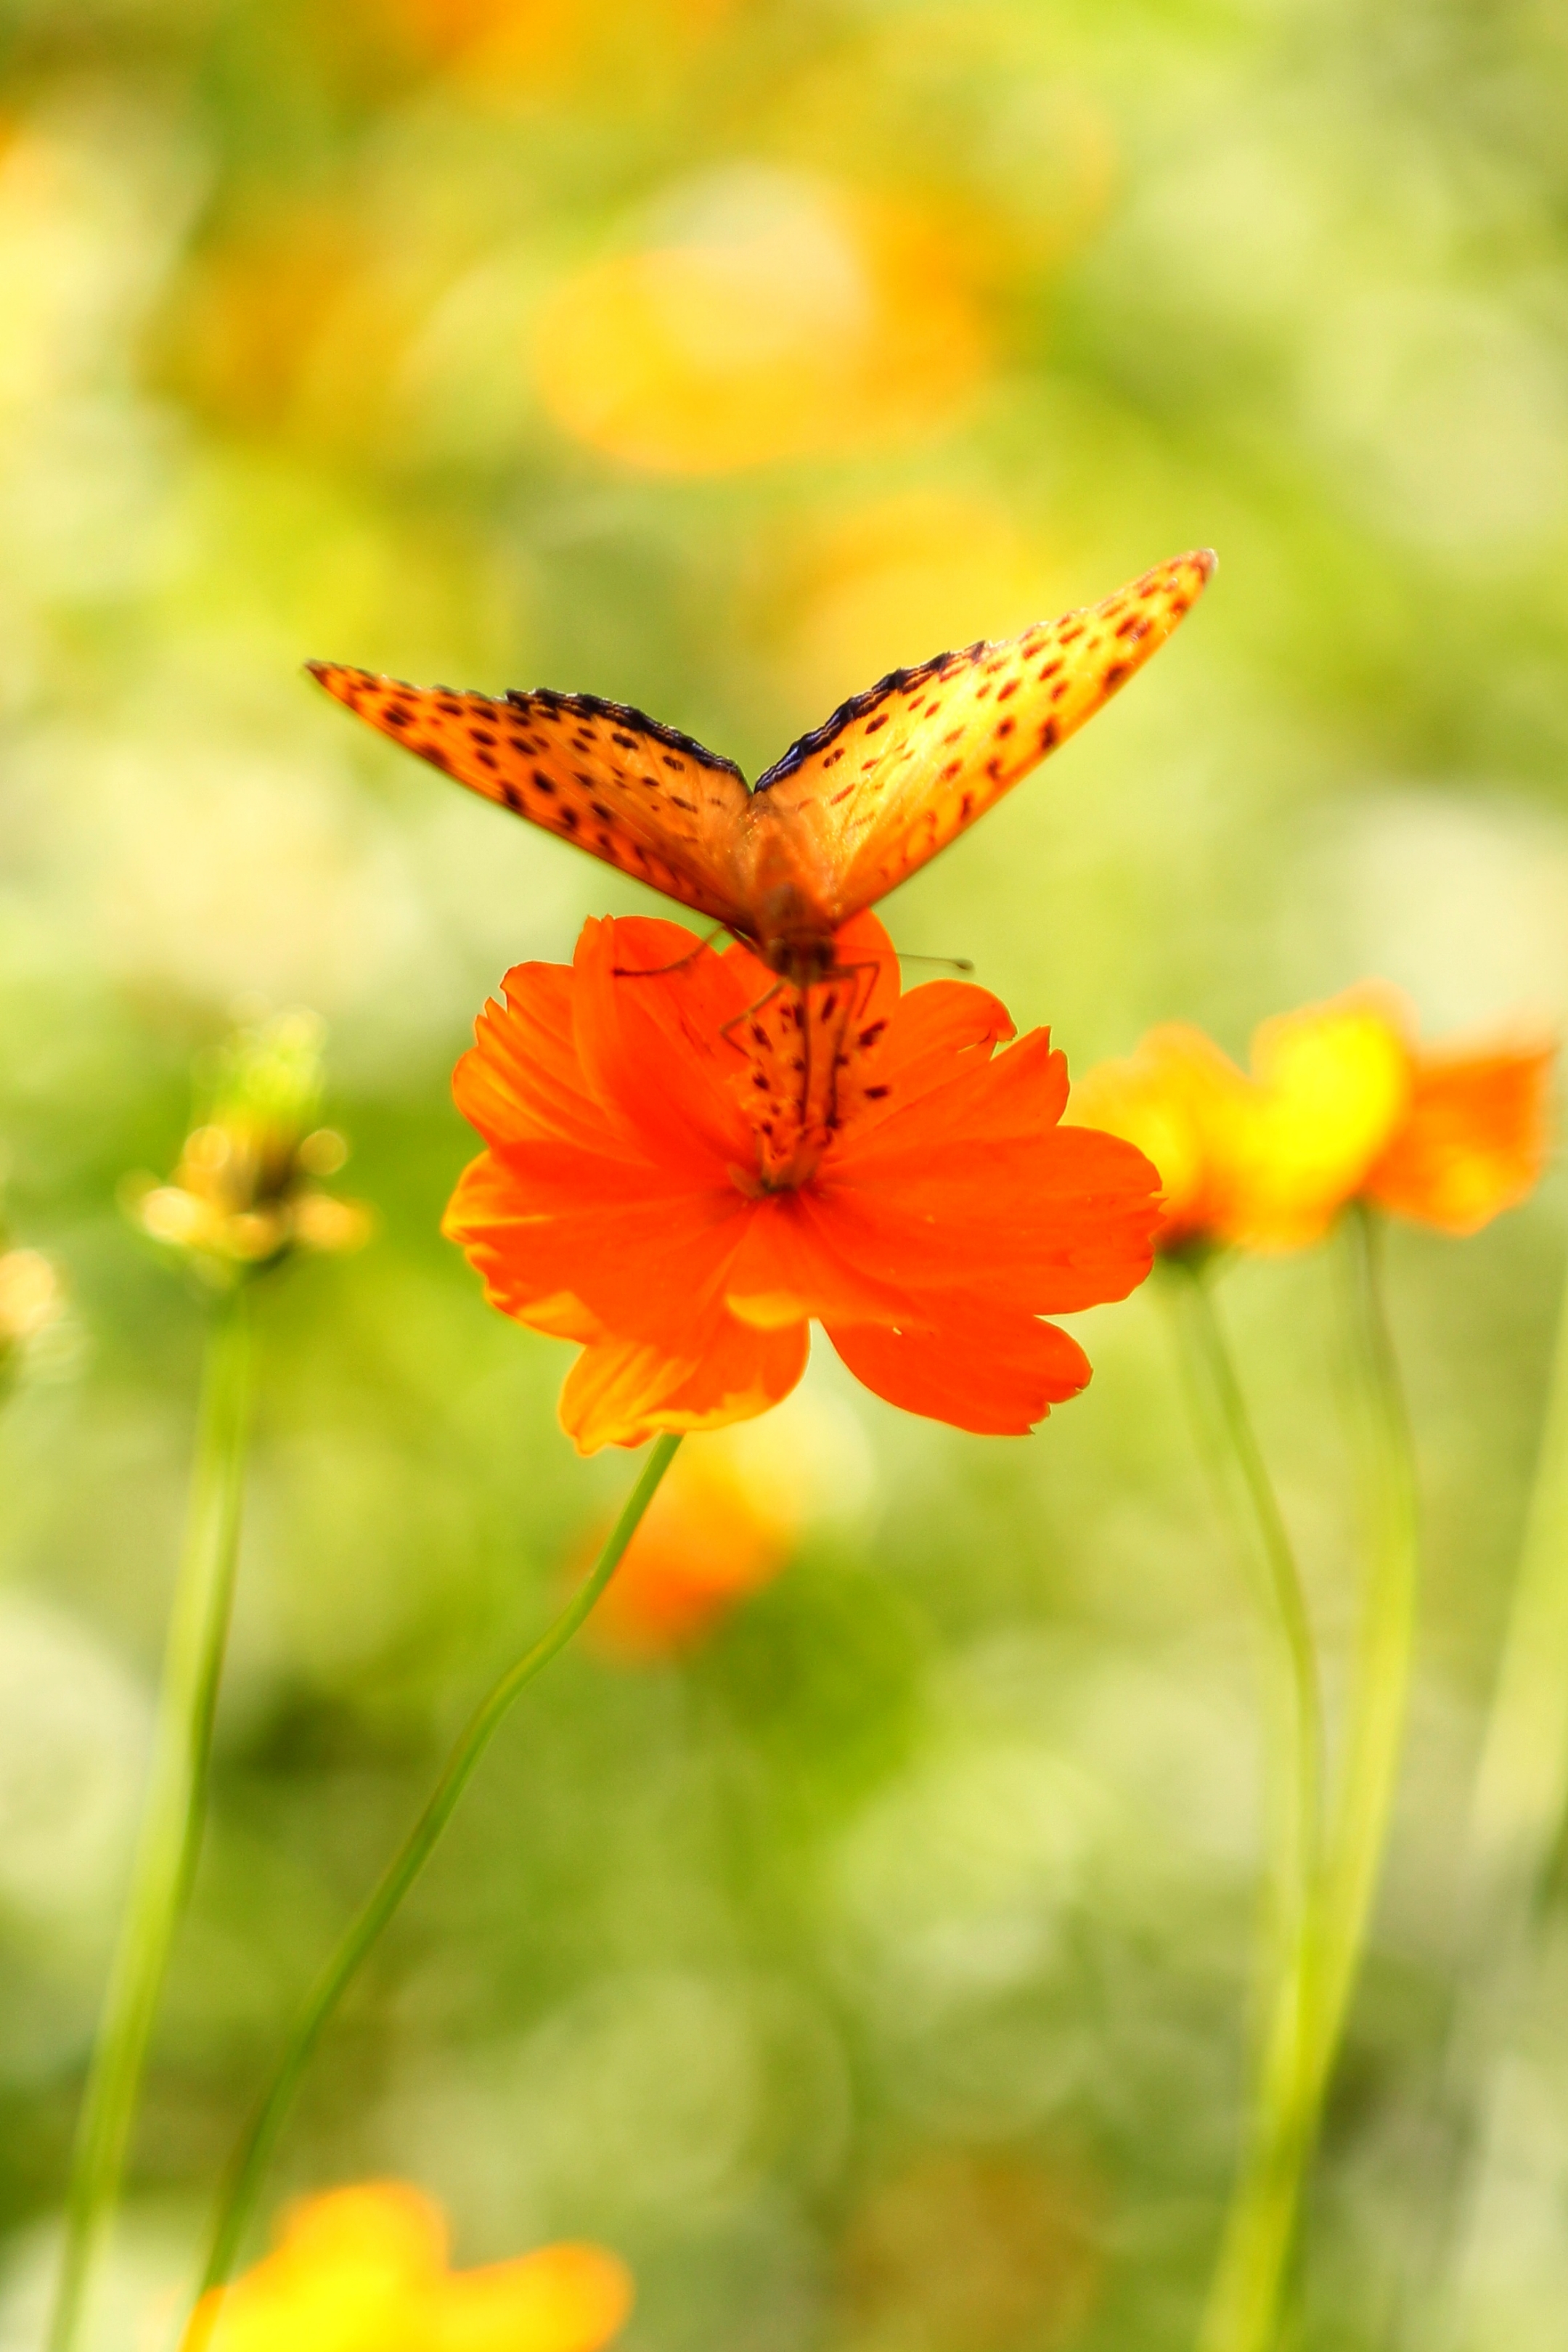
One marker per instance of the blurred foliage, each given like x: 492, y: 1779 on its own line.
x: 872, y: 1973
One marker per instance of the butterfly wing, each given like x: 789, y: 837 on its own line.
x: 900, y: 771
x: 642, y: 797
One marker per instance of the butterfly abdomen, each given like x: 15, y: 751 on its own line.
x: 781, y: 874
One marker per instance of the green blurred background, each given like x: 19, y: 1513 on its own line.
x: 873, y: 1975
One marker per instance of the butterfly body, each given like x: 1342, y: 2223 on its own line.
x: 792, y: 921
x: 851, y: 809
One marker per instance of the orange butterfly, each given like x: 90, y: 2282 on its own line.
x: 865, y: 799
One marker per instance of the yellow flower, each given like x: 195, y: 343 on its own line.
x: 365, y: 2270
x: 30, y: 1300
x: 29, y: 1296
x: 243, y: 1195
x: 1342, y: 1104
x: 1182, y: 1102
x: 1331, y: 1087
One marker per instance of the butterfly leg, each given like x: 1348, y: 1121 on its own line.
x: 658, y: 971
x: 801, y: 1008
x: 735, y: 1019
x: 857, y: 999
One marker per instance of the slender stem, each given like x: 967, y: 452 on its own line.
x: 170, y: 1834
x: 1243, y: 2298
x: 1522, y: 1782
x: 243, y: 2180
x: 1380, y: 1680
x: 1517, y: 1807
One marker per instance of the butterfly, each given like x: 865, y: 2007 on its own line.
x: 863, y: 800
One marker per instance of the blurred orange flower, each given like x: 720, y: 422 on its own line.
x: 365, y: 2270
x: 715, y: 1531
x: 1474, y: 1139
x: 689, y: 1163
x: 783, y: 318
x: 534, y: 43
x: 1343, y: 1103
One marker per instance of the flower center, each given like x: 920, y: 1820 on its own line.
x: 807, y: 1069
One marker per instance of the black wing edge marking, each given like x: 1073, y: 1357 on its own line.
x: 580, y: 706
x: 625, y: 714
x: 858, y: 705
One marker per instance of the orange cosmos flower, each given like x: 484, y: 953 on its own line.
x: 365, y: 2270
x: 687, y: 1164
x: 1342, y: 1104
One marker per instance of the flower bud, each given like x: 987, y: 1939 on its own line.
x: 244, y: 1195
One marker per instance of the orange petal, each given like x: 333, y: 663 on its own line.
x: 995, y: 1374
x: 1050, y: 1219
x: 1474, y: 1140
x: 649, y: 1010
x: 937, y: 1025
x: 789, y: 1266
x: 641, y: 1256
x: 986, y: 1103
x: 521, y: 1081
x: 937, y: 1032
x: 622, y: 1392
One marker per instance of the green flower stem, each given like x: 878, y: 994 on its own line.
x: 170, y: 1834
x: 244, y: 2177
x: 1521, y: 1782
x: 1517, y: 1807
x: 1245, y: 2295
x: 1380, y: 1679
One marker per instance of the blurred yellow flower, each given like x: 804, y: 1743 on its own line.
x: 1183, y: 1103
x: 1343, y: 1103
x: 244, y: 1192
x: 783, y: 318
x: 365, y: 2270
x: 31, y: 1299
x: 1330, y: 1084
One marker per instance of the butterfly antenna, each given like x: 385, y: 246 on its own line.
x: 948, y: 963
